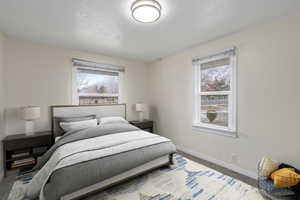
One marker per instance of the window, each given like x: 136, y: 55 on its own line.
x: 96, y: 85
x: 215, y: 93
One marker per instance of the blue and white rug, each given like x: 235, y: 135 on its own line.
x: 185, y: 180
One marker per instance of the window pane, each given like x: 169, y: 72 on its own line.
x: 97, y: 88
x: 216, y: 75
x: 97, y: 100
x: 214, y: 109
x: 90, y: 83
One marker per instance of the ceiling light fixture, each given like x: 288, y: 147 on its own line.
x: 146, y: 11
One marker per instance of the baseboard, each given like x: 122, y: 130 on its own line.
x: 218, y: 162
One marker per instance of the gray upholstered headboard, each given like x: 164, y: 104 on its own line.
x: 84, y: 110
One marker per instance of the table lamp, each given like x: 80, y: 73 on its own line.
x: 141, y: 108
x: 29, y: 114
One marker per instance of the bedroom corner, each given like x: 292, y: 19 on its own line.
x: 2, y: 100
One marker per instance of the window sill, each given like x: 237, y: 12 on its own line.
x: 226, y: 133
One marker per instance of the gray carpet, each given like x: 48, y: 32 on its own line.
x: 6, y: 184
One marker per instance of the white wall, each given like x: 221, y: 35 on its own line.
x: 268, y: 96
x: 41, y: 75
x: 268, y: 91
x: 2, y: 99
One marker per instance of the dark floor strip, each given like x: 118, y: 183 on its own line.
x: 221, y: 169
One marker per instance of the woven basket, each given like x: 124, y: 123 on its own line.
x: 267, y: 195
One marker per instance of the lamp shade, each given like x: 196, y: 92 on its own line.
x: 31, y: 113
x: 141, y: 107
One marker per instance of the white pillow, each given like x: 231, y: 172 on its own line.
x: 112, y: 120
x: 267, y: 166
x: 70, y: 126
x: 57, y: 138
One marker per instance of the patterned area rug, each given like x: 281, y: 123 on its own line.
x: 185, y: 180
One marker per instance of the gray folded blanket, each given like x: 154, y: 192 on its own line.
x: 76, y: 135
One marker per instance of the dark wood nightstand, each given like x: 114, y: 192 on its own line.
x: 19, y: 147
x: 144, y: 125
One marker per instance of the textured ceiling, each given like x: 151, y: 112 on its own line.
x: 105, y: 26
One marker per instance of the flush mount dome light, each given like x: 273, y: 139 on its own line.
x: 146, y: 11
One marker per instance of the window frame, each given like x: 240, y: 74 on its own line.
x: 75, y: 95
x: 231, y: 130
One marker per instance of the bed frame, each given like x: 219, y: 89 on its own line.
x: 164, y: 161
x: 103, y: 111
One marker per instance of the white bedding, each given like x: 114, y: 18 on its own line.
x: 57, y: 138
x: 87, y: 149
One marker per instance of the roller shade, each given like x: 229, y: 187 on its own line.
x: 215, y: 63
x: 228, y: 52
x: 83, y: 64
x: 93, y: 71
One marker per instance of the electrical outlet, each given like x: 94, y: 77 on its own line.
x: 234, y: 158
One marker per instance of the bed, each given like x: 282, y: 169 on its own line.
x: 85, y: 161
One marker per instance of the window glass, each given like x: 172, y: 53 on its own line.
x: 95, y: 87
x: 215, y: 76
x: 214, y: 109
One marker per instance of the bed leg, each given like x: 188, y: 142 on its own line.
x: 171, y: 162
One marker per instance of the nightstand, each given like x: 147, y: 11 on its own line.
x: 146, y: 125
x: 21, y: 150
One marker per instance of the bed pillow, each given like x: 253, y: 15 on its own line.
x: 112, y: 120
x: 285, y: 177
x: 75, y: 119
x: 57, y: 138
x: 267, y: 166
x: 70, y: 126
x: 57, y: 120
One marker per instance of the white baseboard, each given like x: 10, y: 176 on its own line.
x: 218, y: 162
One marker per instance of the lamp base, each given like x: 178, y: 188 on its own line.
x: 141, y: 116
x: 29, y: 128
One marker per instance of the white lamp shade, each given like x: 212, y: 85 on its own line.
x: 31, y: 113
x: 141, y: 107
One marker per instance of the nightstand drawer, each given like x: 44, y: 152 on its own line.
x: 145, y: 125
